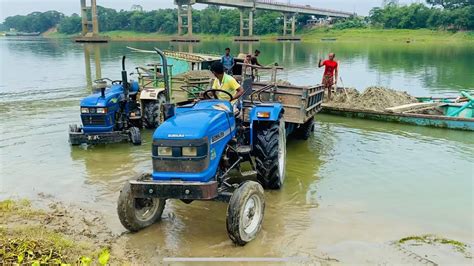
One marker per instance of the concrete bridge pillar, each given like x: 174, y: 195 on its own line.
x: 246, y: 25
x: 289, y: 34
x: 95, y: 22
x: 185, y: 19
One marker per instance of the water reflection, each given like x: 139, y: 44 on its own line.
x: 95, y: 49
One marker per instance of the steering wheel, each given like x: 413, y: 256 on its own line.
x: 212, y: 94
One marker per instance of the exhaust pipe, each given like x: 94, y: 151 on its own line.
x: 169, y: 108
x: 125, y: 84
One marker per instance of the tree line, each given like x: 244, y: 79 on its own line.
x: 439, y: 14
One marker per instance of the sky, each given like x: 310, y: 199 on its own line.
x: 23, y: 7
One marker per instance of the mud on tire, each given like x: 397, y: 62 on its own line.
x: 136, y: 214
x: 245, y: 213
x: 153, y: 112
x: 270, y: 155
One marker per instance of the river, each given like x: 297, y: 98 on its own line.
x: 353, y: 187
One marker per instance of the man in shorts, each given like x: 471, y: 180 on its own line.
x: 330, y: 73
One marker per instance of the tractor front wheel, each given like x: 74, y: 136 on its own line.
x: 153, y: 112
x: 136, y: 214
x: 270, y: 155
x: 135, y: 136
x: 245, y: 213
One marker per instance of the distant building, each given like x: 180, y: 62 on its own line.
x: 138, y: 8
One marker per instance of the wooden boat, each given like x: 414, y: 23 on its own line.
x: 22, y: 34
x: 434, y: 113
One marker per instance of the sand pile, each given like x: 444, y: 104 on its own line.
x: 195, y: 74
x: 372, y: 98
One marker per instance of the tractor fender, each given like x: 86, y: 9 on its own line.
x: 266, y: 112
x: 151, y: 93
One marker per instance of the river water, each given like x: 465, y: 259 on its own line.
x: 352, y: 188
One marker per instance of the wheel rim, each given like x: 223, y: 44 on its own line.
x: 145, y: 209
x: 251, y: 215
x: 281, y: 151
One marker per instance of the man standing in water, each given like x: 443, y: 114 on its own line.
x: 228, y: 62
x: 330, y: 73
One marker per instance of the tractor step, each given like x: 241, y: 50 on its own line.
x: 243, y: 149
x: 248, y: 173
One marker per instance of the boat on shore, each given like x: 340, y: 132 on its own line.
x: 432, y: 113
x: 21, y: 34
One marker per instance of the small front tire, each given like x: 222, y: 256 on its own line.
x: 245, y: 213
x: 135, y: 136
x: 136, y: 214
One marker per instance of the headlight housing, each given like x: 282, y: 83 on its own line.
x: 84, y: 110
x: 165, y: 151
x: 189, y: 151
x: 101, y: 110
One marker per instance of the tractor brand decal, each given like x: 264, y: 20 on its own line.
x: 219, y: 136
x: 113, y: 100
x: 175, y: 135
x: 213, y: 154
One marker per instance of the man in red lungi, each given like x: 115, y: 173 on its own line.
x: 330, y: 73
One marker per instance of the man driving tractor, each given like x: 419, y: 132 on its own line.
x: 225, y: 82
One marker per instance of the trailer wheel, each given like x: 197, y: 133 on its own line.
x: 153, y: 112
x: 245, y: 213
x: 270, y: 155
x: 136, y: 214
x: 305, y: 131
x: 135, y: 136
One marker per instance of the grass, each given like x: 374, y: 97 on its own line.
x: 24, y: 240
x: 384, y: 35
x: 313, y: 35
x: 432, y: 239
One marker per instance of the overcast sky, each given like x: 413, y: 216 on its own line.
x: 23, y: 7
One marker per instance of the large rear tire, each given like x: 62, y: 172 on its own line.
x: 270, y: 155
x: 153, y: 112
x: 136, y: 214
x: 245, y: 213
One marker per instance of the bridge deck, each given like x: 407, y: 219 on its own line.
x: 277, y: 6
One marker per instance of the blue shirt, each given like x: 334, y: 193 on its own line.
x: 227, y: 61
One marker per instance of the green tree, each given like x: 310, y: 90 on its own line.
x: 451, y: 4
x: 70, y: 25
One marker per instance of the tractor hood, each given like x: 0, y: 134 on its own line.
x: 112, y: 94
x: 96, y: 100
x: 193, y: 124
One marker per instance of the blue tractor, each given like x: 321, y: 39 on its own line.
x: 111, y: 115
x: 193, y: 153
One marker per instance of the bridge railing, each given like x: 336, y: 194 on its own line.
x: 271, y: 2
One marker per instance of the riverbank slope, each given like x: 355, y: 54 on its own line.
x: 313, y: 35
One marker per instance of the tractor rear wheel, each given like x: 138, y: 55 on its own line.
x: 153, y: 112
x: 135, y: 136
x: 245, y: 213
x: 270, y: 155
x: 136, y: 214
x: 305, y: 130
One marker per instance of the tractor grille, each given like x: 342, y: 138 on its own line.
x: 93, y: 120
x: 180, y: 166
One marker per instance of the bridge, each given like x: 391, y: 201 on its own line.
x: 247, y: 9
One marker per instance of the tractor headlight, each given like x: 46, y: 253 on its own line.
x: 101, y: 110
x: 84, y: 110
x: 189, y: 151
x: 165, y: 151
x: 263, y: 114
